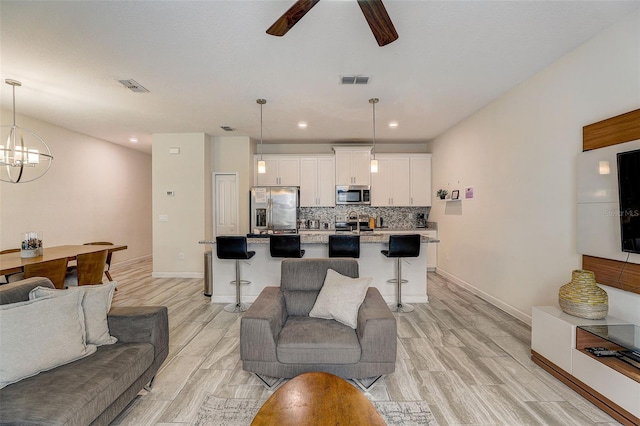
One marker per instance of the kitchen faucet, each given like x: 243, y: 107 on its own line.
x: 349, y: 215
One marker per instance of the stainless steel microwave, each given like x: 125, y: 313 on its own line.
x: 353, y: 194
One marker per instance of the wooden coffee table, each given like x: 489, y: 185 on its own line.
x: 317, y: 399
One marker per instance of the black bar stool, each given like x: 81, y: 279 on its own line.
x: 344, y: 246
x: 402, y: 246
x: 285, y: 246
x: 235, y: 248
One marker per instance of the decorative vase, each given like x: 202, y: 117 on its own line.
x: 582, y: 297
x: 31, y: 244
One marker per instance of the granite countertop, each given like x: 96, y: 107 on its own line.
x: 323, y: 238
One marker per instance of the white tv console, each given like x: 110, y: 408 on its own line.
x: 557, y: 345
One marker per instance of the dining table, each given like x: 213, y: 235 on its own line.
x: 11, y: 263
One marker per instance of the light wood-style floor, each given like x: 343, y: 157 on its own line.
x: 469, y: 360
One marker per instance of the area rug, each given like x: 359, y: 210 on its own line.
x: 216, y: 411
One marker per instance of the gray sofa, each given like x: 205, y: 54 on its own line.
x: 279, y: 339
x: 94, y: 389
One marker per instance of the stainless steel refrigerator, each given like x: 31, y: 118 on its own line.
x: 274, y: 209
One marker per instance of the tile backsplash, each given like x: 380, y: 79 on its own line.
x: 394, y: 217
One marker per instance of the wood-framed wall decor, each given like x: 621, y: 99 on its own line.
x: 613, y: 131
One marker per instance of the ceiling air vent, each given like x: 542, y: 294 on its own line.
x: 134, y: 86
x: 227, y: 128
x: 354, y: 79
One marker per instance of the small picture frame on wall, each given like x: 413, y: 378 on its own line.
x: 455, y: 194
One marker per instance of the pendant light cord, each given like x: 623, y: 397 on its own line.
x: 14, y: 104
x: 374, y: 101
x: 374, y: 130
x: 261, y: 102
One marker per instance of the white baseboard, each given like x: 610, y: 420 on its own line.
x: 160, y: 274
x: 128, y: 262
x: 485, y: 296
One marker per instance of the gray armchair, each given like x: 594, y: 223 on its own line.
x: 278, y: 338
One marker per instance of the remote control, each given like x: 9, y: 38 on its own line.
x: 634, y: 355
x: 605, y: 352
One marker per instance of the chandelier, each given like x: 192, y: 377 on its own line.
x: 24, y: 156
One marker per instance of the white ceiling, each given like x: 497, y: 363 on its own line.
x: 206, y: 62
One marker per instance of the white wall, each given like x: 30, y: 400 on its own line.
x: 515, y: 242
x: 326, y: 148
x: 176, y: 252
x: 94, y: 191
x: 234, y: 154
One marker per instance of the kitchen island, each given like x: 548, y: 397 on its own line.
x: 263, y: 270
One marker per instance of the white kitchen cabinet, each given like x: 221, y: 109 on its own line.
x: 317, y: 181
x: 390, y: 186
x: 281, y: 170
x: 402, y: 180
x: 420, y: 180
x: 353, y: 166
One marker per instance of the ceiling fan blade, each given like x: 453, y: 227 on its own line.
x: 379, y: 21
x: 291, y: 17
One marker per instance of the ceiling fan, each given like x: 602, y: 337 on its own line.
x: 373, y: 10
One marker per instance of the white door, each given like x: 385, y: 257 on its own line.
x: 226, y: 204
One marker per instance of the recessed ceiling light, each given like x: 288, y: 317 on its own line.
x: 302, y: 124
x: 133, y: 140
x: 393, y: 124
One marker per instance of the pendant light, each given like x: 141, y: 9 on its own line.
x: 262, y: 167
x: 374, y: 162
x: 24, y: 156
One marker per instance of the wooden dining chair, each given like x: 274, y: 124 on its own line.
x: 55, y: 270
x: 89, y: 270
x: 108, y: 262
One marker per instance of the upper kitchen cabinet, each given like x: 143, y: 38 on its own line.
x: 353, y: 165
x: 281, y: 170
x: 420, y: 180
x: 402, y: 180
x: 317, y: 181
x: 390, y: 185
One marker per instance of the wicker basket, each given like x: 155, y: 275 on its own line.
x: 582, y: 297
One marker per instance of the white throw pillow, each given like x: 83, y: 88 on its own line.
x: 39, y: 335
x: 96, y: 302
x: 340, y: 298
